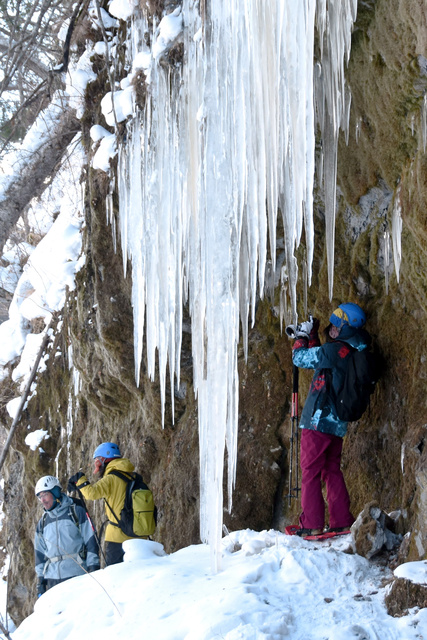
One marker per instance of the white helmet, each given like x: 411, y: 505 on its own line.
x: 47, y: 483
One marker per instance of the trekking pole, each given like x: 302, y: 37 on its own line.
x: 295, y: 420
x: 291, y: 457
x: 291, y: 331
x: 95, y: 533
x: 293, y: 491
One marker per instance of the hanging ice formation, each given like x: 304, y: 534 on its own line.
x: 335, y: 20
x: 396, y: 233
x: 224, y: 143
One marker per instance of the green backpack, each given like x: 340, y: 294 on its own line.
x: 138, y: 517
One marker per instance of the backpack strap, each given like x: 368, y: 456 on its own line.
x: 73, y: 515
x: 43, y: 522
x: 115, y: 524
x: 126, y: 479
x: 130, y: 478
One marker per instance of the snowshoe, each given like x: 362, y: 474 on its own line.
x: 292, y: 529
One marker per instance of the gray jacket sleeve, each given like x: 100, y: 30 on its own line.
x: 40, y: 557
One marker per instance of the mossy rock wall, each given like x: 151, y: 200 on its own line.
x: 97, y: 399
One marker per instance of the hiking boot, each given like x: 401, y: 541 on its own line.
x: 308, y: 532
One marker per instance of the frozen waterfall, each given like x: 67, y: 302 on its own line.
x: 226, y: 141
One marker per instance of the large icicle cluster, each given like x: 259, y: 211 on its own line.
x: 223, y: 145
x: 335, y: 21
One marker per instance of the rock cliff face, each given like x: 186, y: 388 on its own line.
x: 385, y: 457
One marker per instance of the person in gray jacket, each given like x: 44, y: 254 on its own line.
x: 64, y: 544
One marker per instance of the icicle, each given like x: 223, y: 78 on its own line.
x: 224, y: 142
x: 269, y: 281
x: 305, y: 285
x: 330, y: 138
x: 396, y: 232
x: 386, y: 259
x: 334, y: 21
x: 111, y: 220
x: 283, y: 298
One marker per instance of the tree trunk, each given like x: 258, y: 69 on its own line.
x: 30, y: 182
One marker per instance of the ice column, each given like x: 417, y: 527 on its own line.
x: 396, y: 233
x: 334, y: 20
x: 223, y: 143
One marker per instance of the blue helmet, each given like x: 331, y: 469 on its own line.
x: 107, y: 450
x: 348, y: 313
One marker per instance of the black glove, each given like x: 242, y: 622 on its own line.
x: 41, y: 586
x: 90, y: 569
x: 72, y: 482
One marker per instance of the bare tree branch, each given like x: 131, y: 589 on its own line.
x: 36, y: 66
x: 31, y: 30
x: 41, y: 165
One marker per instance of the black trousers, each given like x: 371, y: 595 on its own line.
x: 52, y: 582
x: 113, y: 553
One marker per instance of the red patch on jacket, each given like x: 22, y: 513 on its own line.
x: 301, y: 343
x: 344, y: 351
x: 318, y: 383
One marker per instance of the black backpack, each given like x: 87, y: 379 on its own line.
x: 138, y: 517
x: 361, y: 376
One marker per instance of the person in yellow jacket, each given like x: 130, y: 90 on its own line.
x: 107, y: 458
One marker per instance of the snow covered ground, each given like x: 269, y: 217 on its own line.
x: 272, y: 586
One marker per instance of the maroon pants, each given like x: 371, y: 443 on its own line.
x: 320, y: 460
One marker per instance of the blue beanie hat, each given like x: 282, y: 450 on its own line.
x: 350, y: 314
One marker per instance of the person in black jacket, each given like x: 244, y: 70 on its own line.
x: 322, y: 430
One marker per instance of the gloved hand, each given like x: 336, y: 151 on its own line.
x: 41, y: 587
x: 72, y: 482
x: 304, y: 329
x: 90, y: 569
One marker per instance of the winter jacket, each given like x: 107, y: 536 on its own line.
x: 63, y: 547
x: 319, y: 411
x: 113, y: 489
